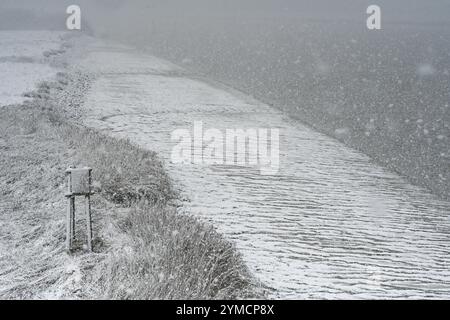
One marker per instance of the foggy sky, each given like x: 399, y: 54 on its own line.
x: 123, y: 16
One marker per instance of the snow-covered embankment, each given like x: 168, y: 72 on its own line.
x: 330, y: 224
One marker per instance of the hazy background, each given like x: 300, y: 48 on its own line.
x: 125, y: 16
x: 386, y: 93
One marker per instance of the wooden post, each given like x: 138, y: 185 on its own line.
x: 70, y: 215
x: 69, y: 230
x: 88, y: 221
x: 79, y: 184
x: 72, y: 204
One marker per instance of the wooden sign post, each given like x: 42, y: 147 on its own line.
x: 79, y: 184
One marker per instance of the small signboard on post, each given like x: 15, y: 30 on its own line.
x: 79, y: 183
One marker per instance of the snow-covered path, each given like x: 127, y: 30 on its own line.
x: 330, y: 224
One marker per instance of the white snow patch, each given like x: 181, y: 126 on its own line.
x: 18, y: 78
x: 22, y: 62
x: 131, y: 63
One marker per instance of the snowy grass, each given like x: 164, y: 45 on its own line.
x: 124, y: 174
x: 144, y: 249
x: 173, y: 256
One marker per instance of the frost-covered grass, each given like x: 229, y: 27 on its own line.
x: 172, y: 256
x: 143, y: 248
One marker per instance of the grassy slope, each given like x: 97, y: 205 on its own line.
x: 144, y: 249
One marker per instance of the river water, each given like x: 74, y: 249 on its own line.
x: 329, y: 224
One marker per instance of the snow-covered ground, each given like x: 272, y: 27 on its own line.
x: 24, y: 63
x: 331, y: 224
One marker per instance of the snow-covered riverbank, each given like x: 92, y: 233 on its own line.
x: 135, y: 223
x: 331, y: 224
